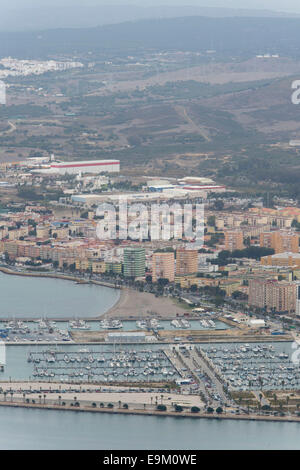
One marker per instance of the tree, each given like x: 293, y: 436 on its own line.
x: 266, y: 407
x: 163, y: 282
x: 161, y: 408
x: 219, y: 410
x: 195, y: 409
x: 219, y: 205
x: 178, y: 408
x: 247, y: 241
x: 211, y: 221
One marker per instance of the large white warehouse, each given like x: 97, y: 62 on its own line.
x: 87, y: 166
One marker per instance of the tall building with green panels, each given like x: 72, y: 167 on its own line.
x: 134, y: 262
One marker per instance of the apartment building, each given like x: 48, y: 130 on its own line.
x: 234, y: 240
x: 163, y: 266
x: 278, y: 296
x: 186, y: 261
x: 280, y: 242
x: 134, y: 262
x: 282, y: 259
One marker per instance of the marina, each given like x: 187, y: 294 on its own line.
x: 103, y: 366
x: 151, y: 362
x: 263, y: 366
x: 46, y: 330
x: 41, y: 330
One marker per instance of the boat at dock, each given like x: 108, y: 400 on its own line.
x: 79, y: 325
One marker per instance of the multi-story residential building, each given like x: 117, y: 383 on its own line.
x: 254, y: 230
x: 163, y: 266
x: 257, y: 293
x: 42, y: 231
x: 230, y: 285
x: 280, y: 242
x: 16, y: 233
x: 186, y: 281
x: 282, y: 297
x: 186, y: 261
x: 298, y: 299
x: 134, y: 262
x: 234, y: 240
x: 282, y: 259
x: 11, y: 248
x: 60, y: 233
x: 99, y: 267
x: 279, y: 296
x: 3, y: 232
x: 113, y: 267
x: 83, y: 264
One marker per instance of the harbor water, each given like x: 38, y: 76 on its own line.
x: 24, y: 429
x: 33, y: 297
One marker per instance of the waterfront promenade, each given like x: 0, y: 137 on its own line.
x: 88, y: 393
x: 114, y: 399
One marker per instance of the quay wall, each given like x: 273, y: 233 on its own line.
x: 289, y: 419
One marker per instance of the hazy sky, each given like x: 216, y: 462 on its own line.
x: 279, y: 5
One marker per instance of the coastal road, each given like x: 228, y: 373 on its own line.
x: 195, y: 365
x: 264, y: 400
x: 187, y: 363
x: 199, y: 360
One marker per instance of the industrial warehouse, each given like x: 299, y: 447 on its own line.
x: 88, y: 166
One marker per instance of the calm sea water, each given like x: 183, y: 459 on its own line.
x: 55, y: 298
x: 48, y: 429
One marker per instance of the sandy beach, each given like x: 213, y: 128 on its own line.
x: 134, y: 304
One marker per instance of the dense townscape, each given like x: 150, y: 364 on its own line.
x: 149, y: 229
x: 237, y: 285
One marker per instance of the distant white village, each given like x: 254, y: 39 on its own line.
x: 16, y: 67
